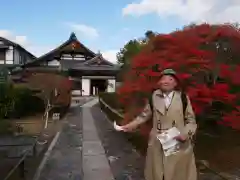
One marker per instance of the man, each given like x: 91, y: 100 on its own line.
x: 166, y: 110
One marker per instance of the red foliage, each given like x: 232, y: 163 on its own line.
x: 48, y: 82
x: 194, y: 53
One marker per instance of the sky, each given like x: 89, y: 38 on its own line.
x: 104, y: 25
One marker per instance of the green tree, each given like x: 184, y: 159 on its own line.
x: 131, y: 49
x: 149, y: 35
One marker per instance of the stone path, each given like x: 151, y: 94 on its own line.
x: 95, y: 162
x: 65, y: 160
x: 88, y: 148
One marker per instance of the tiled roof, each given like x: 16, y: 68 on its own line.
x: 50, y: 55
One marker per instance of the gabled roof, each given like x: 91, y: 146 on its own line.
x: 96, y: 63
x: 98, y: 59
x: 10, y: 43
x: 50, y: 55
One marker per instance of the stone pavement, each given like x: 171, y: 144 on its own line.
x: 78, y: 153
x: 95, y: 162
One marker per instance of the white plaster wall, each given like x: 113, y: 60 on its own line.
x: 111, y: 85
x: 86, y: 87
x: 76, y: 92
x: 9, y: 55
x: 16, y: 56
x: 54, y: 63
x: 76, y: 57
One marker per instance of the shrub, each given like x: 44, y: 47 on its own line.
x: 112, y: 99
x: 26, y: 103
x: 5, y: 127
x: 6, y: 99
x: 18, y: 101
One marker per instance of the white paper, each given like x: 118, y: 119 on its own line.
x: 168, y: 135
x: 169, y: 143
x: 171, y: 151
x: 117, y: 127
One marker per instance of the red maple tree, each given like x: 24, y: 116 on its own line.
x: 206, y: 59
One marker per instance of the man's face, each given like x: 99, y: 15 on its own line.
x: 167, y: 83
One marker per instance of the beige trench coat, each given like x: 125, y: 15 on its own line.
x: 180, y: 166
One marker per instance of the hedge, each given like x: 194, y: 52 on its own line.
x: 111, y: 98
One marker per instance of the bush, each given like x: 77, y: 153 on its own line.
x: 5, y: 127
x: 26, y: 103
x: 111, y: 99
x: 6, y: 99
x: 18, y: 102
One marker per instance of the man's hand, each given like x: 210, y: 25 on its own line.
x: 181, y: 138
x: 129, y: 127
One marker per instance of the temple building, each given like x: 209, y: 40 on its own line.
x: 89, y: 71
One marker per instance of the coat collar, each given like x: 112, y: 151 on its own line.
x: 159, y: 103
x: 170, y: 95
x: 159, y: 92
